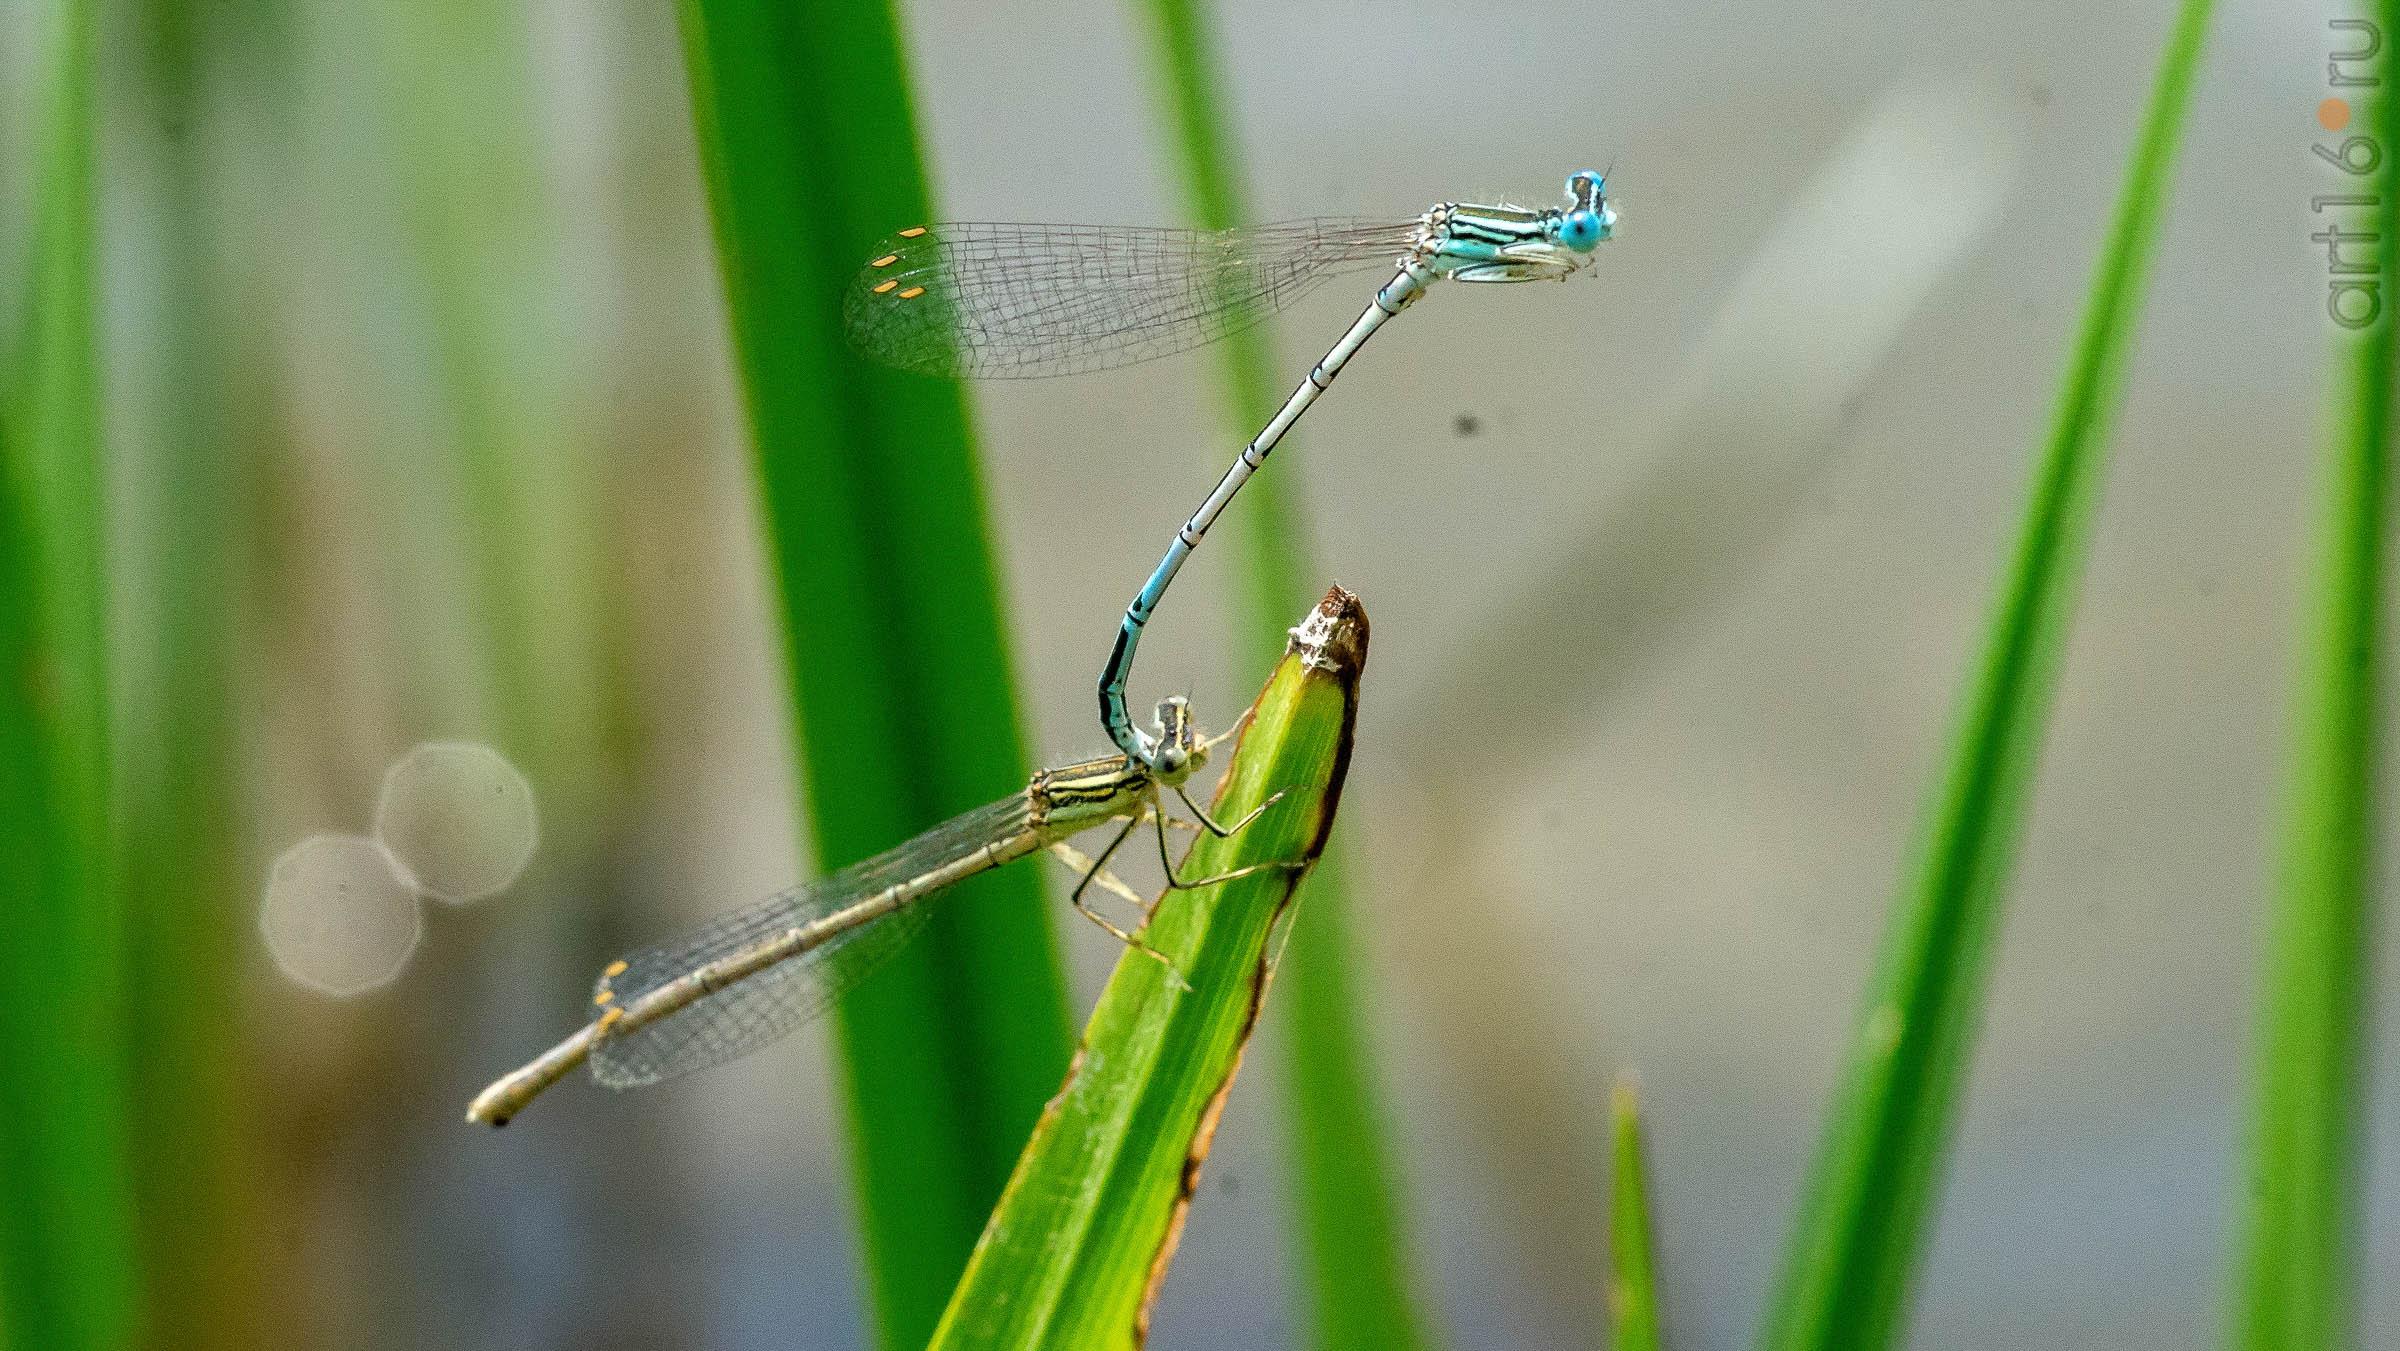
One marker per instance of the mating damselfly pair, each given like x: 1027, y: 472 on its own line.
x: 1008, y: 300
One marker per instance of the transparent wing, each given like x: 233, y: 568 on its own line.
x: 743, y: 1017
x: 989, y: 301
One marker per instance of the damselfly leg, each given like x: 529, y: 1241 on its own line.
x: 1131, y: 940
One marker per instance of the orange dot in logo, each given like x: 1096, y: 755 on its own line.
x: 2333, y: 114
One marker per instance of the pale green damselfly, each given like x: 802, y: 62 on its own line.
x: 755, y: 975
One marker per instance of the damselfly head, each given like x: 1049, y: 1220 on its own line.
x: 1588, y: 218
x: 1470, y: 242
x: 1181, y: 747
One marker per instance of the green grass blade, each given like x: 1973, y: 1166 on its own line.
x: 1268, y: 531
x: 1353, y: 1238
x: 2296, y: 1279
x: 52, y: 396
x: 1364, y: 1294
x: 454, y: 144
x: 1854, y: 1248
x: 181, y: 876
x: 890, y: 601
x: 1075, y: 1252
x: 1632, y: 1292
x: 67, y: 1268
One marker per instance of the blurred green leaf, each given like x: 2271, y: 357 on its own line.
x: 899, y: 660
x: 1075, y: 1252
x: 179, y: 831
x: 2297, y: 1272
x: 67, y: 1263
x: 512, y: 456
x: 1269, y: 531
x: 1352, y: 1236
x: 1855, y: 1245
x: 1633, y: 1293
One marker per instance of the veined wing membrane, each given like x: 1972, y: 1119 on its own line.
x: 761, y: 1008
x: 992, y: 301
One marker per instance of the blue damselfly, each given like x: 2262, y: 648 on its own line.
x: 990, y: 301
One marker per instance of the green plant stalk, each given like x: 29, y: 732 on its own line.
x: 900, y: 674
x: 53, y: 402
x: 1632, y: 1292
x: 1269, y: 528
x: 1074, y: 1254
x: 518, y: 470
x: 2296, y: 1278
x: 178, y: 837
x: 1854, y: 1248
x: 68, y: 1270
x: 1352, y: 1236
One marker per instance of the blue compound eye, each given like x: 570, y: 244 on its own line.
x: 1580, y: 231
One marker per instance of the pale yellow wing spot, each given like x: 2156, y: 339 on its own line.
x: 886, y: 260
x: 912, y: 293
x: 604, y: 996
x: 615, y: 969
x: 912, y: 232
x: 883, y: 286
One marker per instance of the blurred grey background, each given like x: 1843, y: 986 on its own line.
x: 1674, y: 571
